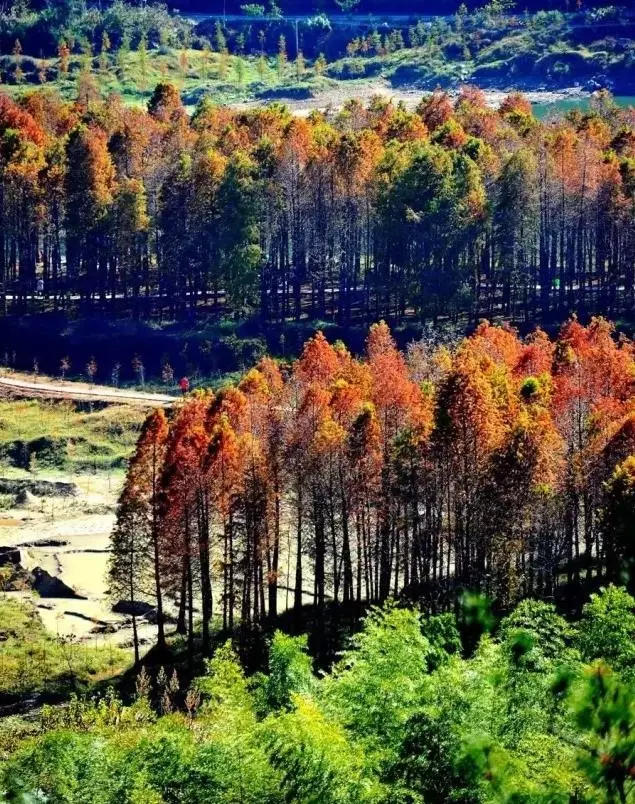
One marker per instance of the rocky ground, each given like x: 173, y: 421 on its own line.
x: 58, y: 528
x: 55, y: 539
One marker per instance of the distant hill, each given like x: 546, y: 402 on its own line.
x: 417, y: 8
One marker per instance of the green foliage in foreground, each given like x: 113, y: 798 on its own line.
x: 34, y: 662
x: 399, y: 719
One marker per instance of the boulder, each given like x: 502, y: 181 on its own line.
x: 9, y: 556
x: 152, y: 617
x: 47, y: 585
x: 108, y: 628
x: 128, y: 643
x: 15, y: 580
x: 24, y: 499
x: 134, y: 608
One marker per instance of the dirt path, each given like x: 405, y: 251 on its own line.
x: 46, y: 388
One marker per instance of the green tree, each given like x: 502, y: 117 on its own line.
x: 604, y: 711
x: 121, y: 57
x: 239, y: 67
x: 299, y: 65
x: 550, y: 636
x: 142, y: 60
x: 377, y: 684
x: 617, y: 518
x: 290, y: 672
x: 320, y: 65
x: 607, y: 629
x: 239, y: 241
x: 316, y: 760
x: 219, y: 37
x: 281, y: 58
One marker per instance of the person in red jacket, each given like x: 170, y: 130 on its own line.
x: 184, y: 385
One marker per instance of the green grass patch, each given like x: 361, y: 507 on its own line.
x: 56, y: 435
x: 228, y: 79
x: 34, y: 662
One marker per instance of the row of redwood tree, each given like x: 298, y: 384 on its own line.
x: 365, y: 213
x: 499, y: 464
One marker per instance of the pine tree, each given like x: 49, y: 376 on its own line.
x: 281, y: 58
x: 135, y: 565
x: 320, y: 65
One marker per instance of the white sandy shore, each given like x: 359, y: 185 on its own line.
x: 336, y: 97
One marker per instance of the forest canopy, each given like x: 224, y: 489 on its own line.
x: 497, y: 465
x: 453, y: 208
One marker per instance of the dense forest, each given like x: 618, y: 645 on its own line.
x: 454, y: 208
x: 538, y: 712
x: 418, y: 8
x: 495, y: 464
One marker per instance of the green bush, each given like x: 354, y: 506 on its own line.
x: 607, y: 629
x: 347, y: 68
x: 400, y: 718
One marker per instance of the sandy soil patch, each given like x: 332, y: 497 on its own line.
x: 82, y: 525
x: 336, y: 97
x: 80, y: 528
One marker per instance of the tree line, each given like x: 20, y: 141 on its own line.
x: 42, y: 27
x: 451, y: 209
x: 498, y: 464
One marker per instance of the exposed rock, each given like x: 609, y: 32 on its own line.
x: 151, y: 617
x: 24, y: 499
x: 106, y: 628
x: 136, y: 608
x: 129, y: 642
x: 17, y: 580
x: 40, y: 488
x: 9, y: 555
x: 45, y: 543
x: 47, y: 585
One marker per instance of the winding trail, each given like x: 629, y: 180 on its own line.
x: 16, y: 385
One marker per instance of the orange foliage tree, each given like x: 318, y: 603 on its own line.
x: 501, y: 464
